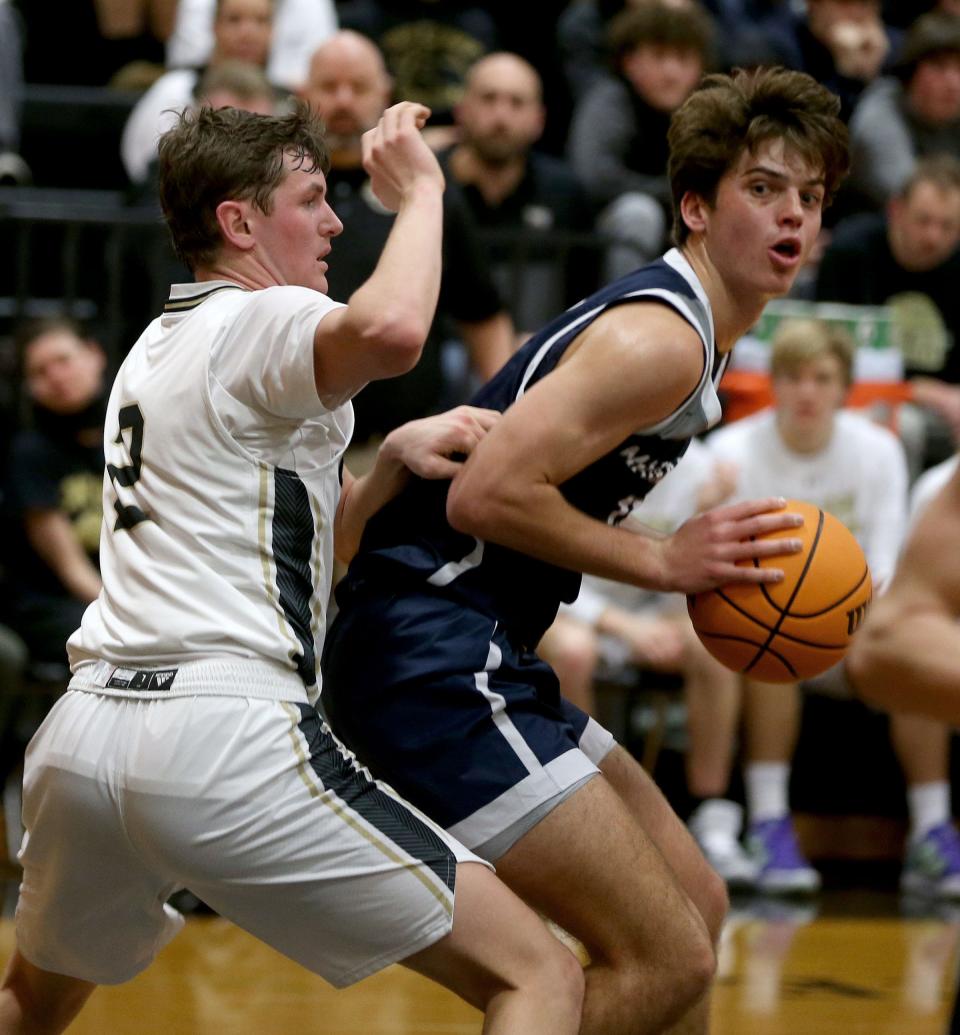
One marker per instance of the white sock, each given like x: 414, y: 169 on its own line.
x: 929, y: 806
x: 766, y: 785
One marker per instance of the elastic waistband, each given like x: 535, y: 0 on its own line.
x: 232, y: 677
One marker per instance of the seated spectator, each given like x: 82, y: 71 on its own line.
x: 618, y: 134
x: 242, y: 32
x: 808, y: 447
x: 236, y: 84
x: 907, y: 257
x: 299, y: 27
x: 91, y: 42
x: 349, y: 87
x: 845, y: 44
x: 581, y: 28
x: 55, y: 485
x: 510, y: 186
x: 901, y: 118
x: 428, y: 48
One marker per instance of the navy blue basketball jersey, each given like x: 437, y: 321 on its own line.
x: 410, y: 540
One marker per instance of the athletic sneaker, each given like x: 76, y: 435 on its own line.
x: 932, y: 864
x: 783, y: 870
x: 716, y: 825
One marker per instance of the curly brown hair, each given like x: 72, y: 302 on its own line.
x: 214, y: 155
x: 728, y: 114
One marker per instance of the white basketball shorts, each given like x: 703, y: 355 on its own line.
x: 249, y: 803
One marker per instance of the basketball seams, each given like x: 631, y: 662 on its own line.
x: 727, y: 638
x: 793, y: 596
x: 806, y: 615
x: 749, y: 631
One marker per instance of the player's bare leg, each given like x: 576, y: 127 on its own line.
x: 501, y: 958
x: 595, y: 871
x: 37, y: 1002
x: 694, y: 874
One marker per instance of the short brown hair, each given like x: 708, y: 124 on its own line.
x: 728, y: 114
x: 941, y: 170
x: 246, y: 81
x: 211, y: 156
x: 799, y: 341
x: 655, y: 23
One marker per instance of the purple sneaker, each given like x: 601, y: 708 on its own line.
x: 782, y: 869
x: 932, y: 864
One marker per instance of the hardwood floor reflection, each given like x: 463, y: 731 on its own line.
x: 782, y: 972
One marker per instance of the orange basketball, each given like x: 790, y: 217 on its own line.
x: 790, y: 630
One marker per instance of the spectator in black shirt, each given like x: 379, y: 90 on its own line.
x: 512, y: 188
x: 907, y: 257
x: 349, y: 87
x: 618, y: 135
x: 55, y: 479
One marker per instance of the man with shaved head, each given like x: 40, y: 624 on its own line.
x: 511, y: 187
x: 349, y: 87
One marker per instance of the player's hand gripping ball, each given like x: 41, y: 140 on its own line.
x: 782, y: 632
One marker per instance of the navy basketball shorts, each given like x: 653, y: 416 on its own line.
x: 437, y: 699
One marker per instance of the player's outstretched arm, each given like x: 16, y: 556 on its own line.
x: 907, y: 655
x: 433, y: 447
x: 631, y: 368
x: 381, y: 331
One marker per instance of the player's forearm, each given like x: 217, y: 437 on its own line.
x: 542, y: 524
x: 396, y: 304
x: 360, y: 501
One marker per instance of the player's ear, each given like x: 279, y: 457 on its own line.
x: 693, y: 212
x: 232, y: 218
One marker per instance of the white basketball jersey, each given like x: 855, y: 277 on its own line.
x: 221, y: 485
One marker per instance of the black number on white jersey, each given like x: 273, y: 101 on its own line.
x: 130, y: 419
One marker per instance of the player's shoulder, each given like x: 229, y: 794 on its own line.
x: 282, y: 301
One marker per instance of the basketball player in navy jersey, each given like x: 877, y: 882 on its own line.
x: 430, y: 671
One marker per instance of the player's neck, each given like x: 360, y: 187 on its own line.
x: 245, y: 271
x: 734, y: 312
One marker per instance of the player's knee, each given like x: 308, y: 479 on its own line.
x: 549, y: 973
x: 676, y: 978
x: 565, y: 980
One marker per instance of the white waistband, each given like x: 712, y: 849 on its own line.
x: 230, y: 677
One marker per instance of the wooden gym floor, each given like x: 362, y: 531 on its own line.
x: 853, y: 962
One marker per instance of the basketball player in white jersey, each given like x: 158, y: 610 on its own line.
x: 187, y: 751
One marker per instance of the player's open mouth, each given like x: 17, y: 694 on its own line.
x: 786, y: 252
x: 787, y: 249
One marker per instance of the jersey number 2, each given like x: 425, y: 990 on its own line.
x: 130, y: 419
